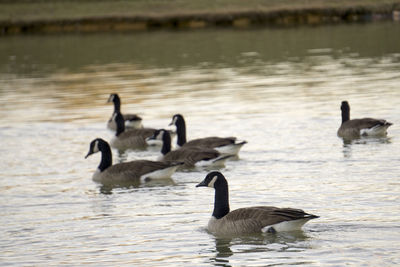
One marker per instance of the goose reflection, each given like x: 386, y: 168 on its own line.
x: 348, y: 143
x: 281, y: 242
x: 108, y: 188
x: 223, y: 251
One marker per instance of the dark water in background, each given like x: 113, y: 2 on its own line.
x: 279, y: 89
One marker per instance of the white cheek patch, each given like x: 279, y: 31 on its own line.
x: 114, y: 116
x: 160, y: 135
x: 96, y: 147
x: 111, y: 98
x: 174, y: 120
x: 212, y: 182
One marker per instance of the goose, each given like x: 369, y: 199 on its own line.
x: 131, y: 120
x: 356, y: 128
x: 133, y: 171
x: 191, y: 156
x: 130, y: 139
x: 259, y: 219
x: 225, y: 145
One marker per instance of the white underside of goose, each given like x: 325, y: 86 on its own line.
x: 154, y: 142
x: 159, y: 174
x: 134, y: 124
x: 232, y: 149
x: 286, y: 226
x: 377, y: 130
x: 128, y: 124
x: 217, y: 162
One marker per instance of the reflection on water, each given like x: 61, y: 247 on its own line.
x: 280, y: 242
x: 164, y: 50
x: 108, y: 188
x: 223, y: 252
x: 278, y: 89
x: 348, y: 144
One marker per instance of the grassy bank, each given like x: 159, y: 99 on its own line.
x: 28, y: 16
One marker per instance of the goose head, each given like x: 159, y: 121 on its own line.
x: 179, y: 122
x: 116, y: 100
x: 177, y: 119
x: 99, y: 145
x: 213, y: 180
x: 96, y: 145
x: 164, y: 136
x: 217, y: 181
x: 113, y: 98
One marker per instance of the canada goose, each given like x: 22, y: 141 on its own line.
x: 355, y: 128
x: 131, y: 120
x: 138, y: 170
x: 191, y: 156
x: 252, y: 219
x: 225, y: 145
x: 130, y: 139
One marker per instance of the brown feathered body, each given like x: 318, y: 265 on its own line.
x: 259, y: 219
x: 193, y: 156
x: 211, y: 142
x: 132, y: 139
x: 134, y: 171
x: 363, y: 127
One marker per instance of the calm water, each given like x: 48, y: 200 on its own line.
x: 279, y: 89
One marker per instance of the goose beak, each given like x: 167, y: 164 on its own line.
x: 202, y: 184
x: 88, y: 154
x: 171, y: 123
x: 110, y: 99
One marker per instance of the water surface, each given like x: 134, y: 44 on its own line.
x: 279, y: 89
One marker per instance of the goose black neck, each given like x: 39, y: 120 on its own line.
x: 106, y: 156
x: 166, y: 138
x: 221, y: 199
x: 117, y: 104
x: 181, y: 131
x: 345, y: 112
x: 119, y: 120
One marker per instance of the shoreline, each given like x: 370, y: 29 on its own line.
x: 239, y: 18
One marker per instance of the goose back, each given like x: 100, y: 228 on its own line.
x: 224, y: 145
x: 132, y: 139
x: 212, y: 141
x: 192, y: 156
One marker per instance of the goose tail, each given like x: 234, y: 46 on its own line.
x: 231, y: 149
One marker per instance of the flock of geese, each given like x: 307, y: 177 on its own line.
x: 211, y: 152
